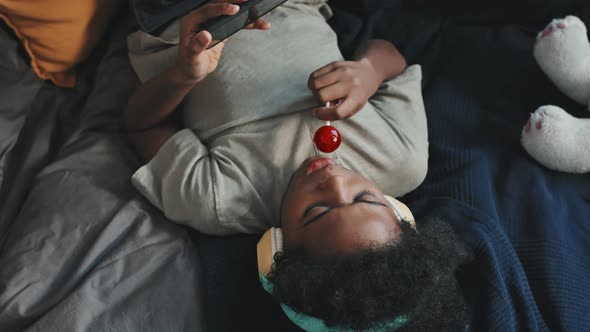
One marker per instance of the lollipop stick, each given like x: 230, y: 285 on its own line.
x: 328, y: 123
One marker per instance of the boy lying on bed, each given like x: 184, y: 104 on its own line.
x: 246, y: 162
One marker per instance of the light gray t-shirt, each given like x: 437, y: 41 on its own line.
x: 249, y: 126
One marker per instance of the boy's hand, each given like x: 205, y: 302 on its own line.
x: 194, y: 60
x: 349, y: 84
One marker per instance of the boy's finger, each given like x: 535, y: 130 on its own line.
x: 344, y: 111
x: 326, y: 113
x: 228, y: 1
x: 258, y: 25
x: 209, y: 11
x: 347, y: 108
x: 323, y: 81
x: 332, y: 92
x: 325, y: 69
x: 199, y: 42
x: 323, y: 113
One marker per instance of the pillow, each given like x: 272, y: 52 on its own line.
x: 58, y: 34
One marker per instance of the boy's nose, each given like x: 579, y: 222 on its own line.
x: 336, y: 186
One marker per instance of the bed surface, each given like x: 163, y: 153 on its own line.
x: 528, y: 226
x: 82, y: 251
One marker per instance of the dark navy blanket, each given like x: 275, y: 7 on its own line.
x: 529, y: 226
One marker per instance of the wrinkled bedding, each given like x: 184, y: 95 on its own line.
x: 80, y: 251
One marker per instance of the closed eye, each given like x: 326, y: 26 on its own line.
x: 363, y: 193
x: 313, y: 206
x: 364, y: 196
x: 356, y: 198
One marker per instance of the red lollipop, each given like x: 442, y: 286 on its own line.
x: 327, y: 138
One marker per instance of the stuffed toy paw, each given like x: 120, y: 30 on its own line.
x: 552, y: 136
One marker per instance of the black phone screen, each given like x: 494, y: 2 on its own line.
x: 225, y: 26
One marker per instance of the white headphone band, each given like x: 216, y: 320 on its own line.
x: 277, y: 240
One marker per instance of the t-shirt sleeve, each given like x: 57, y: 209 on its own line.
x: 389, y: 140
x: 181, y: 181
x: 399, y: 102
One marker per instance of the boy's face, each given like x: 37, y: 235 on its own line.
x: 331, y: 210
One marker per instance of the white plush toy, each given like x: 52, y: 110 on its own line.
x: 552, y: 136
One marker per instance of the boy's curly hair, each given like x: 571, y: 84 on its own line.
x: 415, y: 276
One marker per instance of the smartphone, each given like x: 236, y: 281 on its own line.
x: 224, y: 26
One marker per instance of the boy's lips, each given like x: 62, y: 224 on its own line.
x: 319, y: 164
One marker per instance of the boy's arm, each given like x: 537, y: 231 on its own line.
x: 155, y: 100
x: 383, y: 57
x: 352, y: 83
x: 148, y: 113
x: 181, y: 176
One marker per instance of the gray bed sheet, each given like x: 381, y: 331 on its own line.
x: 80, y: 250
